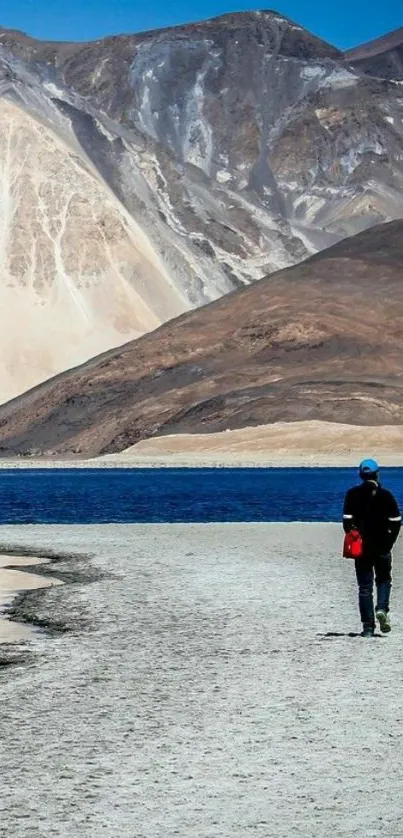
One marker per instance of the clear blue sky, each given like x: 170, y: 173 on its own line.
x: 345, y: 22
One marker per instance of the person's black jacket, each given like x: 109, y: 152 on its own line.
x: 374, y: 512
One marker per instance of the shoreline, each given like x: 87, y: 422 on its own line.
x: 193, y: 649
x: 389, y: 460
x: 14, y: 581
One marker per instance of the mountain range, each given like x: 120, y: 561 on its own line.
x: 145, y: 176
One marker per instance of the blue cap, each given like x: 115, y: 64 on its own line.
x: 368, y: 467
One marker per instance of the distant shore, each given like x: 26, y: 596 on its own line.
x: 176, y: 461
x: 295, y: 444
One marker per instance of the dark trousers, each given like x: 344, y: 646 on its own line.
x: 366, y: 569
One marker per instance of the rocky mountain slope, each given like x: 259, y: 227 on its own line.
x: 320, y: 341
x: 382, y: 57
x: 146, y: 175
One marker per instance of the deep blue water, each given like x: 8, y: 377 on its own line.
x: 87, y: 496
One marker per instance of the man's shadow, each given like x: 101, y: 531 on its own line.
x: 329, y: 635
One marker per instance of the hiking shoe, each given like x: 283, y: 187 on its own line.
x: 384, y: 621
x: 367, y: 633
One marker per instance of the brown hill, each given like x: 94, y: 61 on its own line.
x: 382, y: 57
x: 322, y: 340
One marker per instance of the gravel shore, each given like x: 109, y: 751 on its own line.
x: 200, y: 681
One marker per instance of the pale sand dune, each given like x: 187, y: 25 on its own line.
x: 293, y: 443
x: 12, y: 582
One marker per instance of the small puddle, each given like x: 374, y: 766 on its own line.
x: 13, y: 581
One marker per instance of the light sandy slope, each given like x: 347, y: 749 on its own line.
x: 211, y: 698
x: 292, y: 443
x: 77, y: 275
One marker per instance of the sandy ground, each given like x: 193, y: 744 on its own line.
x: 297, y: 443
x: 12, y: 582
x: 285, y: 444
x: 218, y: 692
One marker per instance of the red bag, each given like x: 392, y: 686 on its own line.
x: 353, y: 546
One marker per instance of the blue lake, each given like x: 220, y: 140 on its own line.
x: 88, y: 496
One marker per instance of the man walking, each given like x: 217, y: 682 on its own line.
x: 373, y: 511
